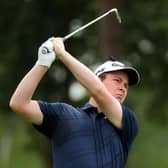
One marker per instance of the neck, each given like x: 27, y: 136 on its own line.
x: 93, y: 103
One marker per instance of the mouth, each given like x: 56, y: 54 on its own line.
x: 119, y: 96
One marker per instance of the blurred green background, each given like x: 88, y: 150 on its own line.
x: 141, y: 40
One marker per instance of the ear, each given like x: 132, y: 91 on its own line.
x: 102, y: 76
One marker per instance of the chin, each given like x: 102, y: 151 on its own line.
x: 120, y: 100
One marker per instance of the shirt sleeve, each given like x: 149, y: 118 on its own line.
x: 50, y: 117
x: 129, y: 127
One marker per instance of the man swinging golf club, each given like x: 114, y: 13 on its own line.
x: 99, y: 134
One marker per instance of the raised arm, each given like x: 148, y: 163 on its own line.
x: 109, y: 105
x: 21, y: 101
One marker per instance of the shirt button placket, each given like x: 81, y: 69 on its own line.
x: 98, y: 142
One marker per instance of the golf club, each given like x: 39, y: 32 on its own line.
x: 45, y: 50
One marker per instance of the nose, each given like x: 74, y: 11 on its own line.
x: 123, y: 88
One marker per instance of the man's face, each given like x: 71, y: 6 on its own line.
x: 117, y: 84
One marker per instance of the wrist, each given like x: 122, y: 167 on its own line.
x: 45, y: 62
x: 62, y: 54
x: 41, y: 67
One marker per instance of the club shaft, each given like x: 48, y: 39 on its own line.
x: 92, y: 22
x: 44, y: 50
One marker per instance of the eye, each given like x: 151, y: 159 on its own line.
x: 117, y: 80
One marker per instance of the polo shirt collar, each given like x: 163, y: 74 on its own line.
x: 88, y: 107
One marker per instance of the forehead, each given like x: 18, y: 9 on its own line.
x: 121, y: 74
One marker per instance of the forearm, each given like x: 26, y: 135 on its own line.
x: 83, y: 74
x: 26, y: 88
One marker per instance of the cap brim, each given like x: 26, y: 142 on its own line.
x: 133, y: 75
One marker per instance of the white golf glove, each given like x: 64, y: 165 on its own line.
x: 46, y: 54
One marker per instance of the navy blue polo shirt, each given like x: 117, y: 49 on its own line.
x: 84, y: 138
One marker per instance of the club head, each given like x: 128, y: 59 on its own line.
x: 117, y: 14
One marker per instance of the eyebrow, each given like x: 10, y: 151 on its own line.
x: 127, y: 82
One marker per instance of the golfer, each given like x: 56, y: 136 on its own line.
x: 99, y: 134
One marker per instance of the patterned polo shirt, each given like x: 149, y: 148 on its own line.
x: 84, y: 138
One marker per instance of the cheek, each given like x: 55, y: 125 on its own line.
x: 111, y: 88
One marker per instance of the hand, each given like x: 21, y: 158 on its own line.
x: 59, y: 46
x: 48, y: 57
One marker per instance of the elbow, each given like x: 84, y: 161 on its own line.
x: 15, y: 105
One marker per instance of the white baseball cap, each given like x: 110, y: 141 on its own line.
x: 109, y: 66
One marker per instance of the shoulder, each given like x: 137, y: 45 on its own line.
x: 60, y: 109
x: 54, y: 105
x: 54, y: 114
x: 128, y: 112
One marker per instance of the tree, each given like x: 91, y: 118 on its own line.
x: 110, y: 31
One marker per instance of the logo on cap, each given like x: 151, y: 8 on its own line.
x: 117, y: 64
x: 100, y: 70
